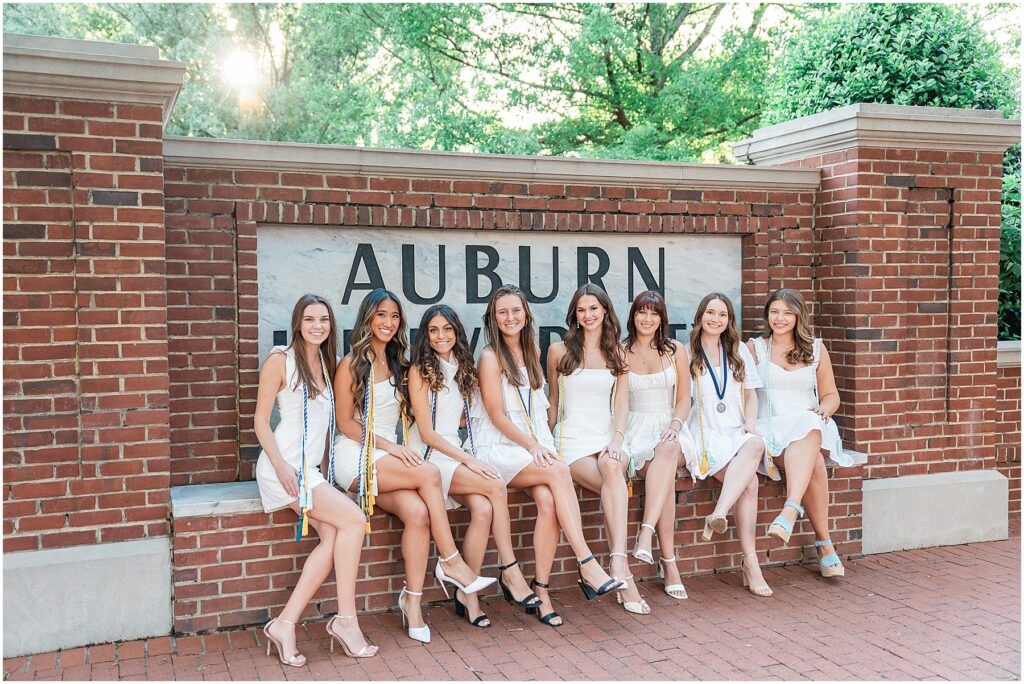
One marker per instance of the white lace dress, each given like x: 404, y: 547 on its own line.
x: 650, y: 412
x: 497, y: 450
x: 386, y: 413
x: 586, y: 423
x: 720, y: 434
x: 288, y: 435
x: 447, y: 416
x: 783, y: 403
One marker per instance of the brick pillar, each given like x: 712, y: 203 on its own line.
x: 86, y: 459
x: 906, y: 290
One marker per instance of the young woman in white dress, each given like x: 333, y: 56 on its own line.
x: 724, y: 426
x: 657, y: 433
x: 795, y: 407
x: 298, y: 377
x: 588, y: 411
x: 442, y: 381
x: 510, y: 426
x: 371, y: 391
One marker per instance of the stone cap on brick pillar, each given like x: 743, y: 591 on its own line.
x: 90, y: 70
x: 879, y: 125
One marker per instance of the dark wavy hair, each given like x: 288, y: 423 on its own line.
x: 425, y: 359
x: 328, y: 348
x: 610, y: 334
x: 527, y: 341
x: 730, y: 339
x: 395, y: 352
x: 803, y: 333
x: 649, y: 300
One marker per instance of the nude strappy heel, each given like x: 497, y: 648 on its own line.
x: 758, y: 590
x: 297, y: 660
x: 638, y: 607
x: 367, y: 651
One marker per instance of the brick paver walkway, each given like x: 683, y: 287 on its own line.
x: 947, y: 613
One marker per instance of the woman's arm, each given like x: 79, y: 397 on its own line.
x: 750, y: 411
x: 828, y: 393
x: 681, y: 411
x: 490, y: 393
x: 344, y: 402
x: 272, y: 380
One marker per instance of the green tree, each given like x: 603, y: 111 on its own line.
x: 910, y: 54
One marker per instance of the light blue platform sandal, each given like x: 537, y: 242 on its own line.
x: 829, y: 565
x: 781, y: 528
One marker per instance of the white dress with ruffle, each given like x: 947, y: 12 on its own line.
x: 721, y: 435
x: 386, y: 413
x: 288, y: 436
x: 447, y: 416
x: 586, y: 422
x: 497, y: 450
x: 783, y: 417
x: 650, y: 412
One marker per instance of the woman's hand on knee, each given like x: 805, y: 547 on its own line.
x: 406, y: 455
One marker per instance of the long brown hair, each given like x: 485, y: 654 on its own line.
x: 328, y: 348
x: 730, y: 339
x: 610, y: 333
x: 527, y: 341
x: 426, y: 361
x: 654, y: 301
x: 803, y: 333
x: 394, y: 353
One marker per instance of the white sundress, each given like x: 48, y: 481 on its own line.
x: 586, y: 422
x: 288, y: 436
x: 723, y: 434
x: 446, y: 424
x: 497, y: 450
x: 386, y: 413
x: 793, y: 392
x: 650, y: 412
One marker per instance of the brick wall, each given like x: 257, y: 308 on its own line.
x: 1008, y: 412
x: 908, y: 253
x: 86, y: 451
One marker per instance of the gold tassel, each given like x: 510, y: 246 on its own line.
x: 629, y: 487
x: 305, y: 522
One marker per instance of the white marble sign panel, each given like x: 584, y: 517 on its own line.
x: 462, y: 267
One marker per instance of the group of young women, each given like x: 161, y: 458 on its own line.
x: 383, y: 425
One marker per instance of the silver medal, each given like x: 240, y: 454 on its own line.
x: 721, y: 407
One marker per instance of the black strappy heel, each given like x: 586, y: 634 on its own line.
x: 590, y: 592
x: 462, y: 611
x: 546, y: 619
x: 529, y: 603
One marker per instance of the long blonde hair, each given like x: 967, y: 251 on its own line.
x: 730, y: 339
x: 803, y: 334
x: 527, y: 341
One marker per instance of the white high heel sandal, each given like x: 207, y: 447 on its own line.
x: 471, y: 588
x: 638, y: 607
x: 643, y: 555
x: 676, y: 591
x: 421, y: 634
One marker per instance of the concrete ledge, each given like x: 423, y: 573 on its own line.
x: 917, y: 511
x: 189, y: 501
x: 278, y: 156
x: 879, y: 125
x: 1008, y: 355
x: 62, y: 598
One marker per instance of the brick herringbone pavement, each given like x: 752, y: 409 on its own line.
x: 949, y: 613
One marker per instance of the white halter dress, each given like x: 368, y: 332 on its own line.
x: 650, y: 412
x: 447, y: 416
x: 386, y: 413
x: 288, y: 436
x: 497, y: 450
x: 722, y: 435
x: 783, y: 403
x: 586, y: 422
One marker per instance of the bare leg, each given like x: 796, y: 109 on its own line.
x: 746, y: 521
x: 667, y: 538
x: 474, y: 545
x: 800, y: 459
x: 741, y: 468
x: 410, y: 509
x: 605, y: 476
x: 425, y: 480
x: 659, y: 490
x: 546, y: 536
x: 557, y: 478
x: 816, y: 503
